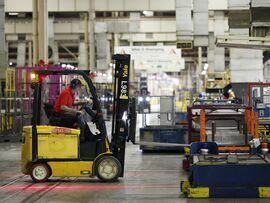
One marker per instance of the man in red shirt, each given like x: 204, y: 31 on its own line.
x: 65, y: 104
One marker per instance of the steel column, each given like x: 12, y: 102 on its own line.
x: 2, y: 37
x: 43, y: 30
x: 35, y: 31
x: 91, y: 29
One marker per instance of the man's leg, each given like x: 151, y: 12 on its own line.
x: 68, y: 120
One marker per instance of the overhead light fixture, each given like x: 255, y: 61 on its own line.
x: 13, y: 13
x: 203, y: 72
x: 148, y: 13
x: 205, y: 66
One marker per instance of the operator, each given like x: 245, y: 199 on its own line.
x: 228, y: 92
x: 65, y: 105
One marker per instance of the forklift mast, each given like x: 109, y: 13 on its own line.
x: 120, y: 124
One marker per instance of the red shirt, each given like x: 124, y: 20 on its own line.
x: 65, y: 98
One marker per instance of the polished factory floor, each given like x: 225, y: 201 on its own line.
x: 148, y: 178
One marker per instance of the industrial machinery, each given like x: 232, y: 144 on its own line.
x: 228, y: 175
x: 212, y: 120
x: 159, y: 130
x: 54, y: 150
x: 233, y: 174
x: 229, y: 124
x: 259, y: 101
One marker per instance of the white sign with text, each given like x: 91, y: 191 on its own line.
x: 154, y: 59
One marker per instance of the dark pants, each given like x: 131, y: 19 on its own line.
x: 71, y: 120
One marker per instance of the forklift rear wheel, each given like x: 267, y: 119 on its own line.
x: 108, y: 168
x: 40, y: 172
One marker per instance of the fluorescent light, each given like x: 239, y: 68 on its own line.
x: 148, y: 13
x: 13, y: 13
x: 203, y: 72
x: 205, y: 66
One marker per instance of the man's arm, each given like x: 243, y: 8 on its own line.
x: 69, y: 110
x: 81, y: 102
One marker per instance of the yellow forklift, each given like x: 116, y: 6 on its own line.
x: 60, y: 151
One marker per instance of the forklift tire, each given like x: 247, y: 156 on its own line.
x: 108, y: 168
x: 40, y: 172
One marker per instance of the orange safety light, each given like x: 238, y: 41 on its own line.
x: 33, y: 77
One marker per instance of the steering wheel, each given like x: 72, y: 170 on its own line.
x: 89, y: 110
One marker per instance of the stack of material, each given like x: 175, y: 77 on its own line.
x: 184, y: 27
x: 246, y: 65
x: 200, y: 22
x: 260, y: 27
x: 218, y: 53
x: 260, y: 3
x: 103, y: 51
x: 238, y: 5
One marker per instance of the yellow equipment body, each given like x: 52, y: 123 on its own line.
x: 59, y: 148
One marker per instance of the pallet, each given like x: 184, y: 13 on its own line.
x: 224, y: 192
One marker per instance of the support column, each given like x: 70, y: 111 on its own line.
x: 30, y: 62
x: 86, y: 41
x: 131, y: 41
x: 21, y: 53
x: 51, y: 43
x: 43, y: 30
x: 82, y: 55
x: 219, y: 53
x: 55, y: 52
x: 116, y: 40
x: 199, y: 69
x: 35, y: 31
x: 2, y: 38
x: 91, y: 27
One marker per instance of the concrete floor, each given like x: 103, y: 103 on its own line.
x: 148, y: 178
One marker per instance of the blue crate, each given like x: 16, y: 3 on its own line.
x: 163, y: 134
x: 180, y: 117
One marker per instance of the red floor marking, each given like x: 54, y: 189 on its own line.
x: 8, y: 174
x: 88, y: 187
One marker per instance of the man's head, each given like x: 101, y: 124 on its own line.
x: 75, y: 85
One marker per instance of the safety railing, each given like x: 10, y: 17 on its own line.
x: 16, y: 99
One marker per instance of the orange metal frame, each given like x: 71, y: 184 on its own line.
x: 251, y: 120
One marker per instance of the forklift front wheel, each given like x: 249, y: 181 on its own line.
x: 40, y: 172
x: 108, y: 168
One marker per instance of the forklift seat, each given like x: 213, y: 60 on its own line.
x: 49, y: 110
x: 52, y: 115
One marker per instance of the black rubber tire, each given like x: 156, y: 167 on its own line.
x: 116, y: 166
x: 46, y: 169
